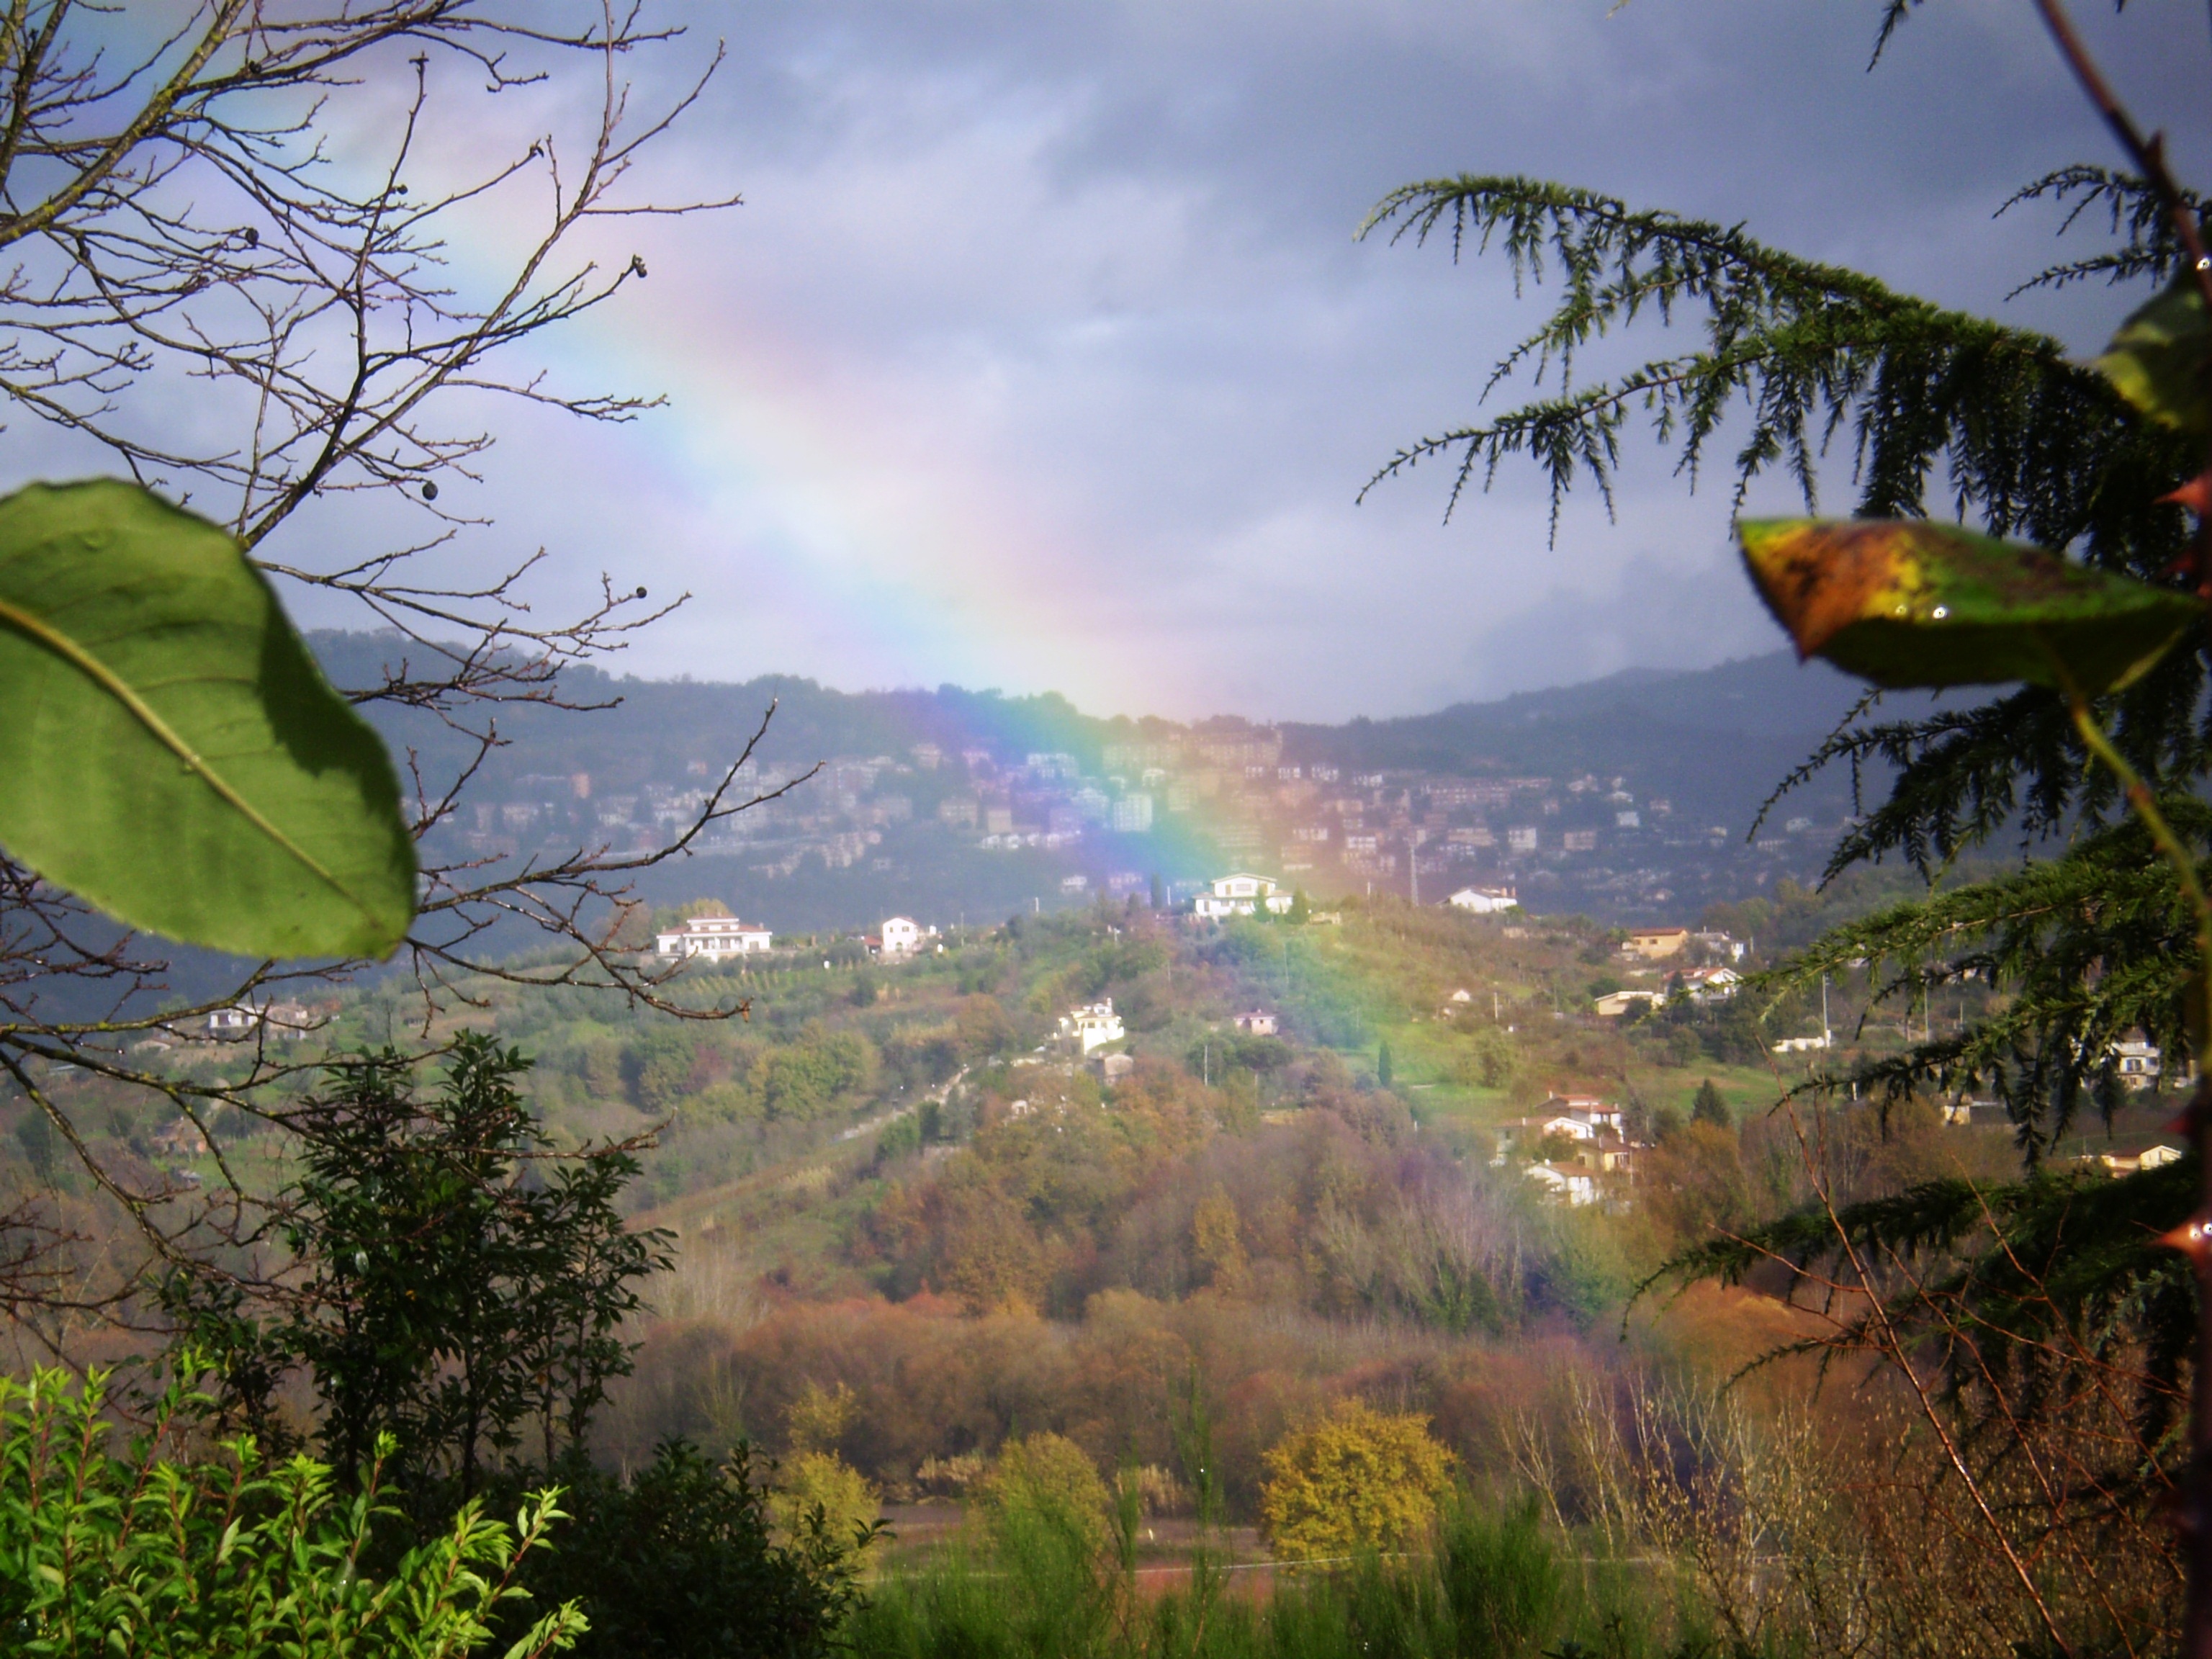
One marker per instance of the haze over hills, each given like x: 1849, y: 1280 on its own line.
x: 1627, y: 797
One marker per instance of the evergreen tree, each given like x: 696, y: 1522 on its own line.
x: 461, y: 1290
x: 1382, y: 1066
x: 2031, y: 442
x: 1708, y: 1106
x: 2082, y: 945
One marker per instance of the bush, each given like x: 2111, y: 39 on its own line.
x: 1048, y: 1481
x: 133, y: 1555
x: 681, y: 1559
x: 820, y: 1489
x: 1357, y: 1480
x: 1492, y: 1060
x: 1503, y: 1583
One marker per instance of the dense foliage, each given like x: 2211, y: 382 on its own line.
x: 2040, y: 1331
x: 679, y: 1560
x: 462, y: 1301
x: 1356, y: 1480
x: 132, y: 1555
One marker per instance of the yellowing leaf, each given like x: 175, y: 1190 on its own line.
x: 2158, y: 359
x: 1912, y: 604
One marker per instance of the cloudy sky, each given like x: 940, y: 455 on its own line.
x: 1042, y: 355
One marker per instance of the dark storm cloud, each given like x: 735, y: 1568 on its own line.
x: 1043, y: 353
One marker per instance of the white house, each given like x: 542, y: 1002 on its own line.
x: 2139, y: 1063
x: 1093, y: 1025
x: 899, y: 936
x: 1565, y: 1183
x: 1710, y: 984
x: 230, y: 1024
x: 1240, y: 895
x: 1486, y: 901
x: 1596, y: 1115
x: 1719, y: 944
x: 712, y: 937
x: 1259, y: 1022
x: 1577, y: 1118
x: 287, y: 1022
x: 1804, y: 1044
x: 2120, y: 1163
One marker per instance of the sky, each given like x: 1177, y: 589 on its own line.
x: 1042, y: 356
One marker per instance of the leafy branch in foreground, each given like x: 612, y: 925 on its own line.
x: 2133, y: 210
x: 2061, y: 1347
x: 131, y: 1552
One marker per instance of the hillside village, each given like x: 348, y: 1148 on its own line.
x: 1659, y: 1001
x: 1642, y: 806
x: 1165, y: 810
x: 983, y: 1181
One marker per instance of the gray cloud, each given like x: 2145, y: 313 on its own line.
x: 1042, y: 356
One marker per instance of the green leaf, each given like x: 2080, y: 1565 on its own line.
x: 171, y: 752
x: 1907, y: 603
x: 2159, y: 360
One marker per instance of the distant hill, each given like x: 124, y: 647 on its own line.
x: 1723, y: 735
x: 897, y: 823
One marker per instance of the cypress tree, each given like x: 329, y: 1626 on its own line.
x: 1708, y: 1106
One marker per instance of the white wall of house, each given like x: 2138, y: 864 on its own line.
x: 712, y: 937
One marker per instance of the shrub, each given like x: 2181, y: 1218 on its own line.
x: 1048, y: 1482
x: 132, y: 1554
x: 1503, y: 1583
x: 1357, y: 1480
x: 1492, y: 1060
x: 802, y: 1080
x: 680, y: 1561
x: 819, y: 1489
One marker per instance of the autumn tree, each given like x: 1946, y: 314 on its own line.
x: 1355, y: 1479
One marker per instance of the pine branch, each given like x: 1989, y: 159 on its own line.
x: 1805, y: 352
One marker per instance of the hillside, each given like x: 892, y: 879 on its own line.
x: 897, y: 1177
x: 1628, y: 798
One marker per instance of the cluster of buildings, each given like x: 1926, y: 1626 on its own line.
x: 1603, y: 845
x: 1696, y: 964
x: 719, y: 938
x: 1577, y: 1148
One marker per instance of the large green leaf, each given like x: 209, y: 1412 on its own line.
x: 1912, y: 604
x: 2159, y: 358
x: 168, y: 749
